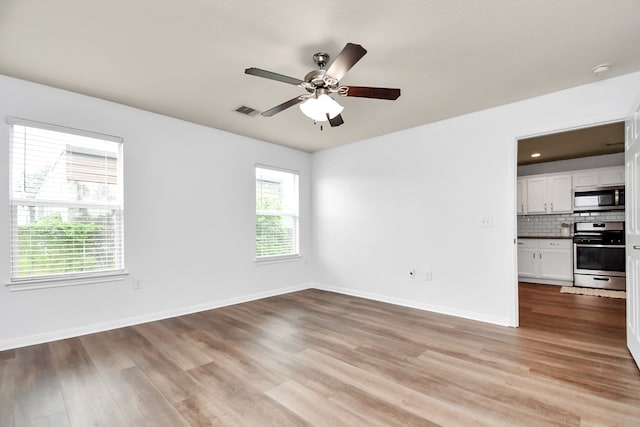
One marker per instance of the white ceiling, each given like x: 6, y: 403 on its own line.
x: 186, y: 58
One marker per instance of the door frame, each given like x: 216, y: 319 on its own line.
x: 543, y: 130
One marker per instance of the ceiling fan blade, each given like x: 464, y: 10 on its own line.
x: 273, y: 76
x: 370, y: 92
x: 346, y: 59
x: 278, y: 108
x: 336, y: 121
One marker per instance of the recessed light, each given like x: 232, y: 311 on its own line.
x: 601, y: 69
x: 535, y: 155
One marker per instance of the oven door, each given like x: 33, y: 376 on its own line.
x: 606, y: 260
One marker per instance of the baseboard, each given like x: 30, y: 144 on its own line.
x: 181, y: 311
x: 150, y: 317
x: 501, y: 321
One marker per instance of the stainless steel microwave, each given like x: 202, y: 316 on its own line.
x: 598, y: 199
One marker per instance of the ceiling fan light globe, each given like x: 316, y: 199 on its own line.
x: 311, y: 109
x: 318, y: 108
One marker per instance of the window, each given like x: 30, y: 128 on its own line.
x: 276, y: 213
x: 66, y: 202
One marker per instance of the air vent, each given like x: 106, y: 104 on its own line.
x: 247, y: 110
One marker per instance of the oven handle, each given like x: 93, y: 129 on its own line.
x: 587, y: 245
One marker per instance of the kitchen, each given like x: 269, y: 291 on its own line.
x: 570, y: 212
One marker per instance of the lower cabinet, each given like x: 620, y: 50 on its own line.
x: 548, y: 261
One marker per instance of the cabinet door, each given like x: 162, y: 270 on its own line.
x: 522, y: 196
x: 585, y: 179
x: 556, y: 261
x: 559, y: 191
x: 613, y: 176
x: 527, y: 261
x: 537, y: 195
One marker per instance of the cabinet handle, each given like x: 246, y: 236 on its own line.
x: 545, y: 207
x: 636, y: 247
x: 520, y: 243
x: 522, y: 210
x: 534, y: 255
x: 551, y: 206
x: 554, y: 244
x: 540, y: 255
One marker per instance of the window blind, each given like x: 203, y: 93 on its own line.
x: 66, y: 202
x: 277, y: 219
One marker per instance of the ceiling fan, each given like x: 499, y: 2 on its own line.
x: 317, y: 103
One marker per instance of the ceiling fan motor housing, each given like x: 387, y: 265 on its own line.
x: 316, y: 78
x: 321, y: 59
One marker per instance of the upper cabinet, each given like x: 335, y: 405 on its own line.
x: 548, y: 194
x: 522, y: 196
x: 599, y: 177
x: 560, y: 194
x: 553, y: 193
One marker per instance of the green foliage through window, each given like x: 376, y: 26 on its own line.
x: 276, y: 213
x: 54, y: 246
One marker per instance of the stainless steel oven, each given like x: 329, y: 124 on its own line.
x: 599, y: 255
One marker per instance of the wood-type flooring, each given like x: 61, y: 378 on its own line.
x: 315, y: 358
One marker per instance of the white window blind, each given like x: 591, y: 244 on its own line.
x: 66, y: 202
x: 276, y: 213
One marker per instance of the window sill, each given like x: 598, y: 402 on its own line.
x: 28, y: 285
x: 278, y: 259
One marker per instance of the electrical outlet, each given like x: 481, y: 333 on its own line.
x: 486, y: 221
x: 412, y: 274
x: 137, y: 284
x: 428, y: 275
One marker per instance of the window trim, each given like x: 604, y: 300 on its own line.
x: 274, y: 259
x: 66, y: 129
x: 76, y: 278
x: 68, y: 280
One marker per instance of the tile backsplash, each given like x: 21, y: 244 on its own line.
x: 550, y: 225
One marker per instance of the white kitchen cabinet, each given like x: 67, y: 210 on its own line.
x: 548, y: 194
x: 527, y: 257
x: 537, y: 195
x: 522, y: 196
x: 548, y: 261
x: 599, y: 177
x: 559, y: 194
x: 556, y: 259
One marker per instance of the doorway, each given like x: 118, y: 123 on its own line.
x: 547, y: 165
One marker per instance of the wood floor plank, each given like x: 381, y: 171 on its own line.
x: 318, y: 358
x: 426, y: 406
x: 172, y: 345
x: 37, y: 392
x: 315, y: 408
x: 139, y: 401
x: 86, y: 397
x: 105, y: 353
x: 241, y: 401
x: 173, y: 382
x: 8, y: 373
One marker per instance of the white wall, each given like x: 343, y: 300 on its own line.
x: 415, y: 199
x: 189, y: 219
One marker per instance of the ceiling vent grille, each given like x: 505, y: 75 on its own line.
x: 247, y: 110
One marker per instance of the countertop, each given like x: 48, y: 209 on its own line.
x: 545, y: 237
